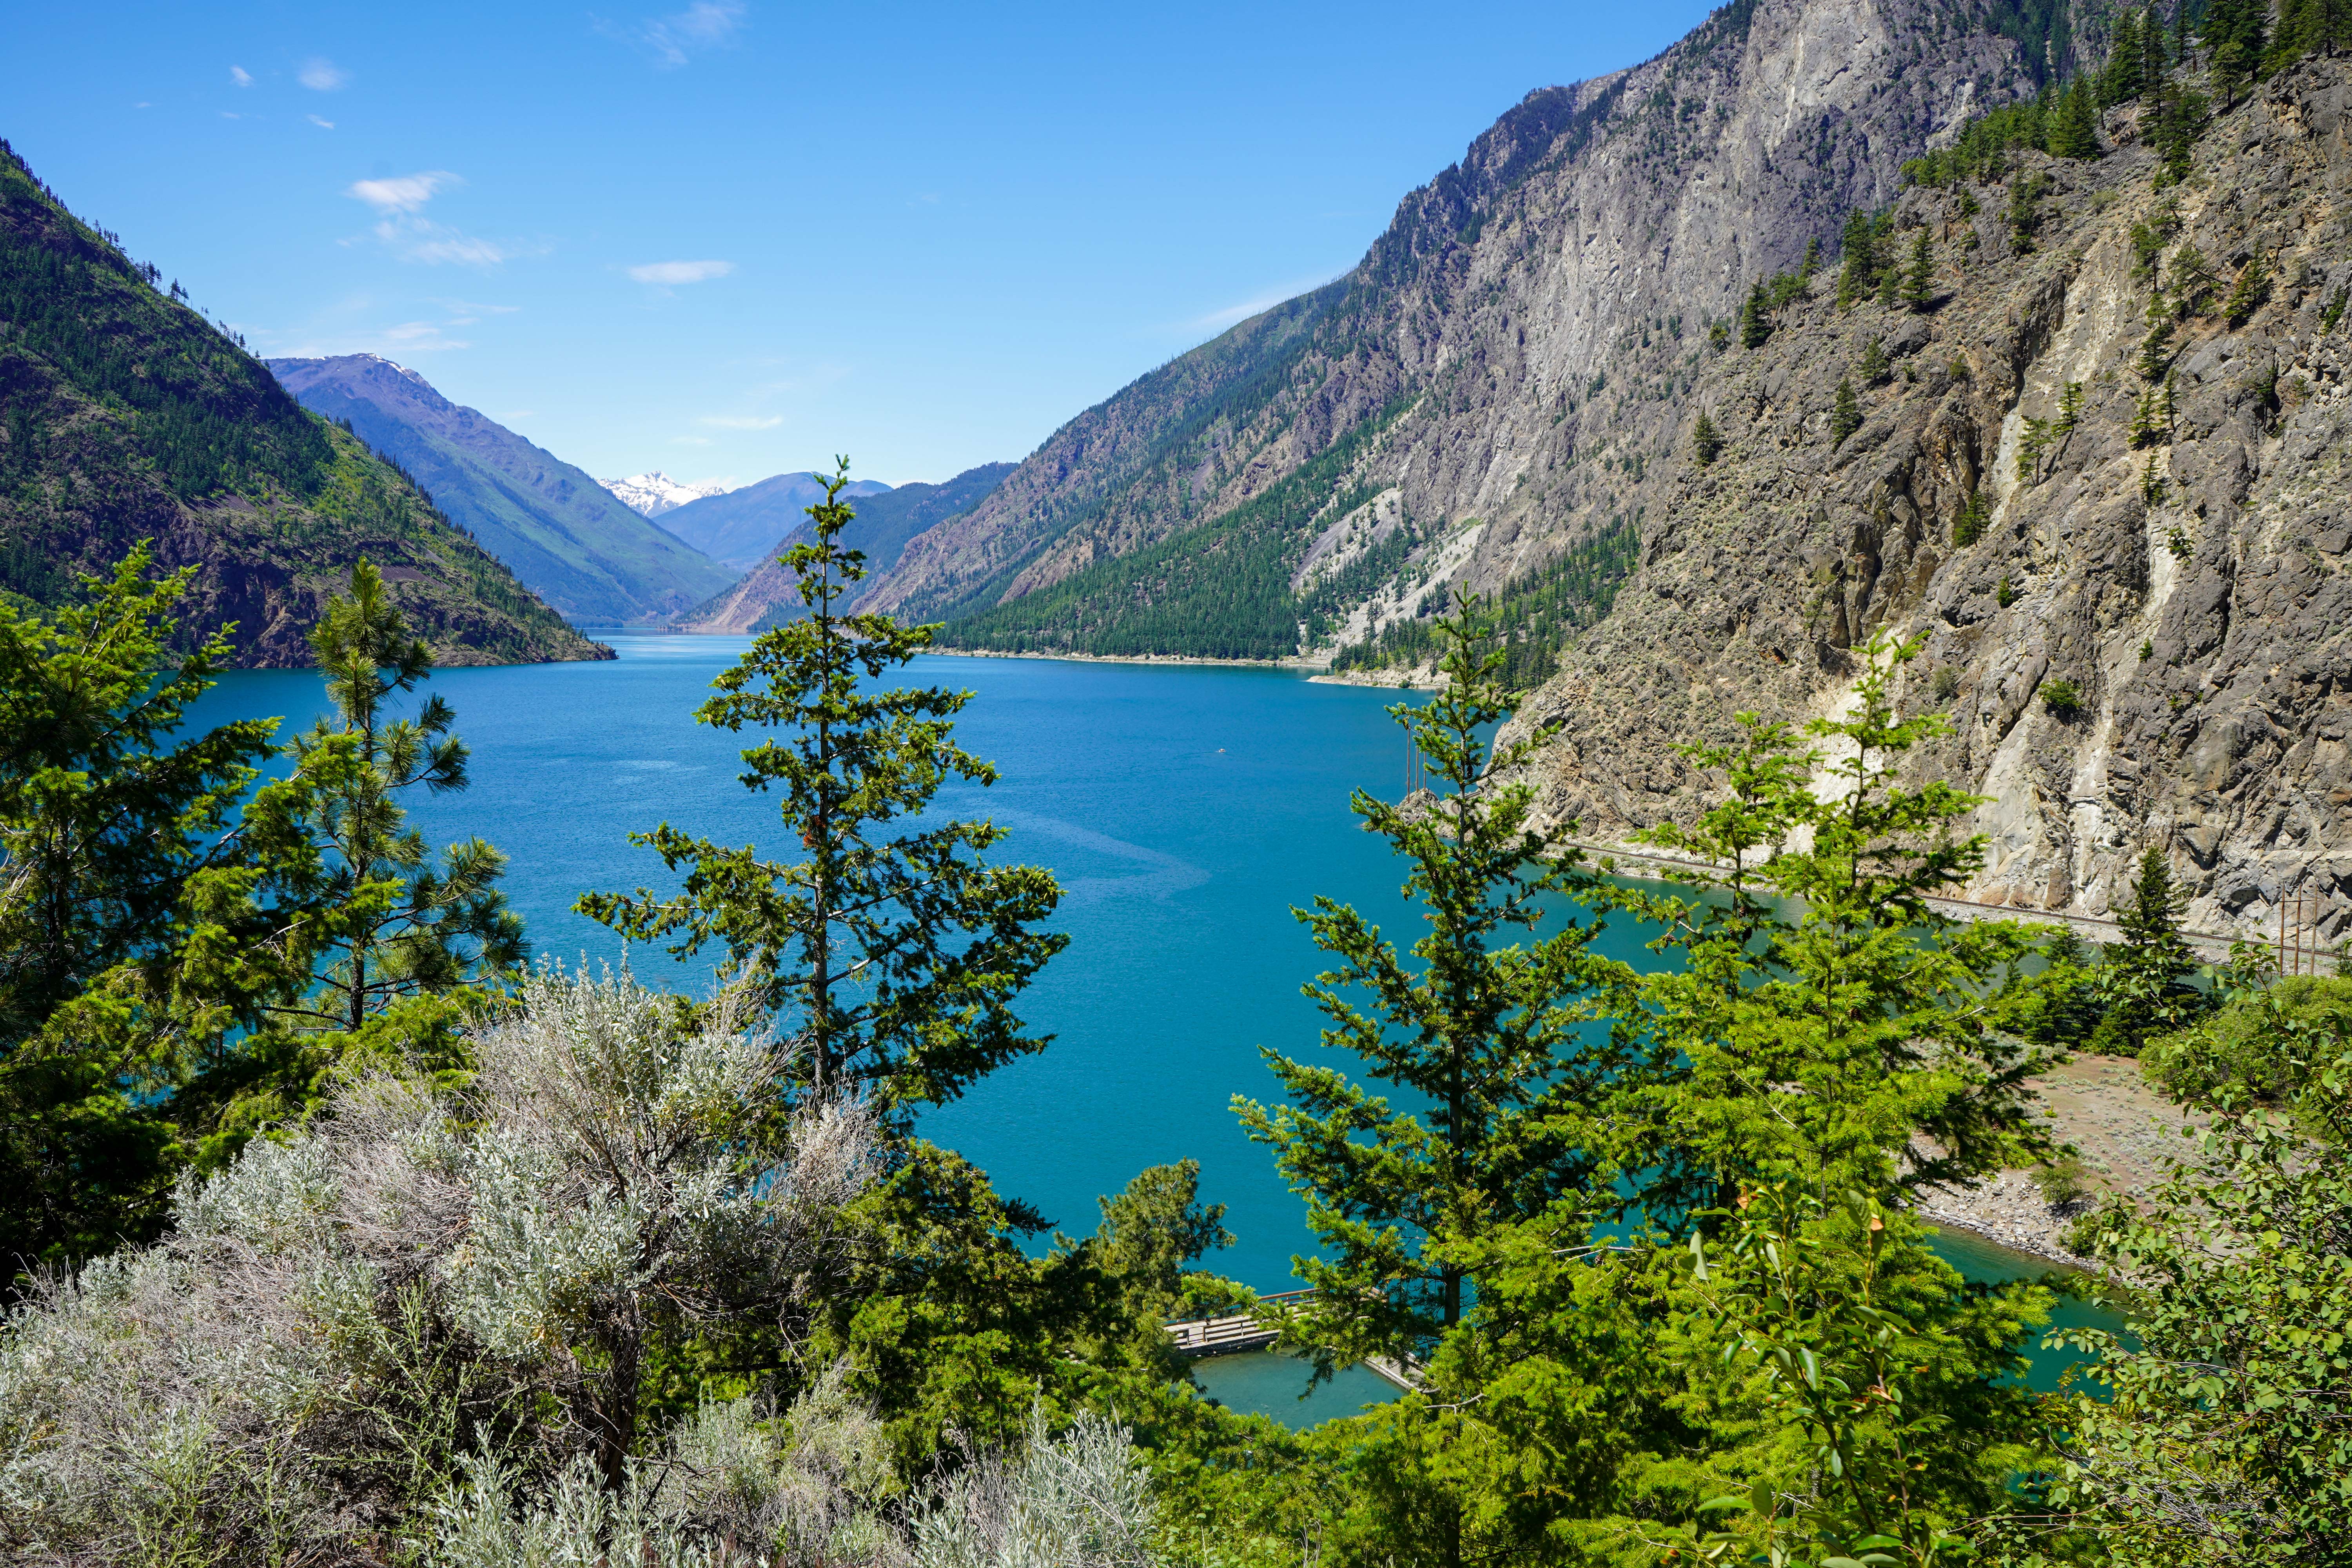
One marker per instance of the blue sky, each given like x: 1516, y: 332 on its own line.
x: 732, y: 238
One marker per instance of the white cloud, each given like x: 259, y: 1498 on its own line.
x: 322, y: 75
x: 670, y: 41
x: 321, y: 125
x: 402, y: 192
x: 740, y: 421
x: 240, y: 75
x: 689, y: 441
x: 672, y: 272
x: 422, y: 239
x: 399, y: 199
x: 231, y: 114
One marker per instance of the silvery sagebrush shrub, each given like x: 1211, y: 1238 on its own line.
x: 422, y: 1281
x: 1080, y: 1501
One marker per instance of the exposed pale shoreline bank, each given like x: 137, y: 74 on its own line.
x: 1321, y: 673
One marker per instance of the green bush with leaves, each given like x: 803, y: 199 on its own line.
x: 2224, y: 1429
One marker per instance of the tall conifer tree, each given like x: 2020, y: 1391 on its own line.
x: 893, y: 950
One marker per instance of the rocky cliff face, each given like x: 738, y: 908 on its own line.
x: 2150, y: 641
x: 1523, y: 329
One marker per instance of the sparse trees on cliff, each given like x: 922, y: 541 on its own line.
x: 1845, y: 413
x: 1919, y: 278
x: 1707, y: 444
x: 1755, y: 318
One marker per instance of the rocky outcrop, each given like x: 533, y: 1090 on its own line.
x: 1525, y: 330
x: 2150, y: 640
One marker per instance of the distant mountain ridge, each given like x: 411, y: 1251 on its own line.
x: 742, y: 527
x: 128, y: 416
x: 885, y: 522
x: 651, y: 494
x: 557, y: 528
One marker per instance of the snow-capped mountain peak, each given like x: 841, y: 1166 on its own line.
x: 650, y: 495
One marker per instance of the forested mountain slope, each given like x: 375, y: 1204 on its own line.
x: 2102, y: 465
x: 883, y: 524
x: 1520, y: 336
x: 125, y: 416
x: 563, y: 534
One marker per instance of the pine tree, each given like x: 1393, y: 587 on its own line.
x: 1755, y: 318
x: 1860, y: 272
x: 2123, y: 81
x: 110, y: 824
x: 1845, y: 413
x: 894, y: 960
x: 2073, y: 129
x: 1918, y: 291
x: 1872, y: 367
x: 1812, y: 261
x: 1705, y: 444
x: 2144, y: 983
x: 402, y: 931
x: 1486, y: 1034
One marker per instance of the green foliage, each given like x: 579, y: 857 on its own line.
x: 1755, y: 317
x: 2236, y: 35
x: 2144, y: 983
x: 896, y: 959
x: 1707, y: 443
x: 1919, y: 278
x: 1534, y: 613
x: 2003, y: 594
x: 2152, y: 485
x: 1601, y: 1386
x: 1845, y: 413
x: 2221, y: 1434
x: 2333, y: 312
x: 210, y: 416
x: 1488, y: 1034
x: 395, y: 929
x: 1219, y: 591
x: 113, y: 831
x: 1969, y: 522
x: 2063, y: 698
x: 2177, y: 542
x: 2073, y: 129
x: 2250, y: 288
x: 2025, y: 214
x: 1947, y: 683
x: 2256, y: 1048
x: 1872, y: 367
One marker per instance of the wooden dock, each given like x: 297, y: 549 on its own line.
x: 1197, y: 1337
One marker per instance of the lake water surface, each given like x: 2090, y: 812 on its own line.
x: 1185, y: 809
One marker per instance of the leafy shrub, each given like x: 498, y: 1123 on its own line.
x: 1947, y: 683
x: 1845, y: 413
x: 2257, y: 1045
x: 2063, y: 698
x: 2062, y: 1179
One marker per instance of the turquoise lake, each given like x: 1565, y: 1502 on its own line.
x: 1185, y: 810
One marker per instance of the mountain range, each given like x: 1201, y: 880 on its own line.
x: 885, y: 522
x: 2063, y: 403
x: 128, y: 416
x: 650, y: 495
x: 742, y: 527
x: 565, y: 535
